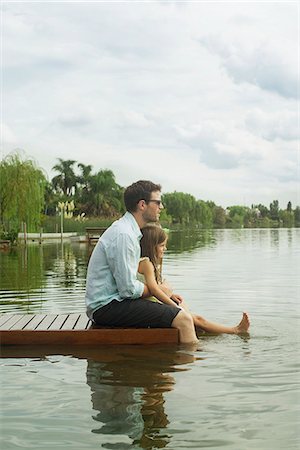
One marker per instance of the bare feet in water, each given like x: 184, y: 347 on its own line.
x: 244, y: 325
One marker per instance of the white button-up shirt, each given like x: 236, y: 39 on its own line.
x: 113, y: 266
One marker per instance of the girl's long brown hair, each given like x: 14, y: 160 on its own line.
x: 152, y: 236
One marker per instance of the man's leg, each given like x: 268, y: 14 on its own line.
x: 185, y: 325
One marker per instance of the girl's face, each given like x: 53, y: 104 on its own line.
x: 160, y: 249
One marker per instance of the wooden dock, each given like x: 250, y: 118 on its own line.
x: 74, y: 329
x: 93, y: 234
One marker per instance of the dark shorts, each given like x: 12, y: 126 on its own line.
x: 137, y: 313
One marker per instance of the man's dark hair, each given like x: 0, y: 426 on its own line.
x: 141, y: 190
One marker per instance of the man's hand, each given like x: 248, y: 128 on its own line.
x: 177, y: 298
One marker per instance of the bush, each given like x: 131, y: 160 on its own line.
x: 52, y: 224
x: 11, y: 236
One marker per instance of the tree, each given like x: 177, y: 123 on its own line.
x: 274, y: 210
x: 106, y: 194
x: 203, y: 214
x: 286, y: 218
x: 22, y: 187
x: 236, y: 216
x: 180, y: 206
x: 219, y: 217
x: 297, y: 216
x: 264, y: 212
x: 84, y: 186
x: 66, y: 180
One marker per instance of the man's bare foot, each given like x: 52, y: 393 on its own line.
x: 244, y: 324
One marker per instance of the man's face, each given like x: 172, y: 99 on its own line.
x: 153, y: 208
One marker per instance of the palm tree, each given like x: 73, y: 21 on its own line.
x: 84, y: 189
x: 106, y: 194
x: 66, y: 180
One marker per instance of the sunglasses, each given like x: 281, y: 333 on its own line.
x: 158, y: 202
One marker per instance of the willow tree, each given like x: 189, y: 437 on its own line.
x: 22, y: 187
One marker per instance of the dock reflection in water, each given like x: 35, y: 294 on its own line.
x: 128, y: 390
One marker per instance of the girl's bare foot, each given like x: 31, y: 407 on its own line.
x: 244, y: 324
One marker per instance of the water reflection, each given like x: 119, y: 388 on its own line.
x: 128, y: 388
x: 128, y: 395
x: 189, y: 239
x: 274, y: 236
x: 32, y: 274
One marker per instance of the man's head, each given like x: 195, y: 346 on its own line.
x: 143, y: 199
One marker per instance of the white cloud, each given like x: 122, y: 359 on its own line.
x: 199, y: 96
x: 274, y: 125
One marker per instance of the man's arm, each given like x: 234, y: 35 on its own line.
x: 123, y: 262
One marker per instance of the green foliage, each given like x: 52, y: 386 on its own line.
x: 26, y: 273
x: 286, y: 218
x: 22, y: 187
x: 52, y: 224
x: 186, y: 210
x: 25, y: 193
x: 105, y: 195
x: 65, y: 182
x: 219, y: 216
x: 203, y: 214
x: 240, y: 211
x: 94, y: 194
x: 11, y: 236
x: 297, y: 216
x: 274, y: 210
x: 180, y: 206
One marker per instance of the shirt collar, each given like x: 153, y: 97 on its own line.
x: 134, y: 224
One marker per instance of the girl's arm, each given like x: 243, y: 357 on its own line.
x: 146, y: 268
x: 166, y: 288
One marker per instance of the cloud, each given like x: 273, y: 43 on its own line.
x: 199, y: 96
x: 270, y: 68
x: 74, y: 121
x: 274, y: 125
x: 223, y: 145
x: 7, y: 135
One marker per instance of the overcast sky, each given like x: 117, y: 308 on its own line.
x: 198, y: 96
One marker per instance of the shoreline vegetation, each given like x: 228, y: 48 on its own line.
x: 77, y: 198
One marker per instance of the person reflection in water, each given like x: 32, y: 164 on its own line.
x: 153, y: 245
x: 128, y: 395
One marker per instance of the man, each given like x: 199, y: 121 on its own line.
x: 114, y: 296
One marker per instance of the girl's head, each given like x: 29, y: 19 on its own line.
x: 153, y: 245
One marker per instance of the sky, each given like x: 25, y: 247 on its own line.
x: 201, y: 97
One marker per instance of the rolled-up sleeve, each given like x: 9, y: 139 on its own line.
x: 123, y: 260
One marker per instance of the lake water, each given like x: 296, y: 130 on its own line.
x: 230, y: 393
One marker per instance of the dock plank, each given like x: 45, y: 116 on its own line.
x: 58, y: 322
x: 38, y: 318
x: 82, y: 322
x: 4, y: 318
x: 10, y: 322
x: 23, y: 322
x: 45, y: 324
x: 70, y: 322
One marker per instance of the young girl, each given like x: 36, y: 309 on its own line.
x: 153, y: 246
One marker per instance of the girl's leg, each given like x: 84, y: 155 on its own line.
x: 216, y: 328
